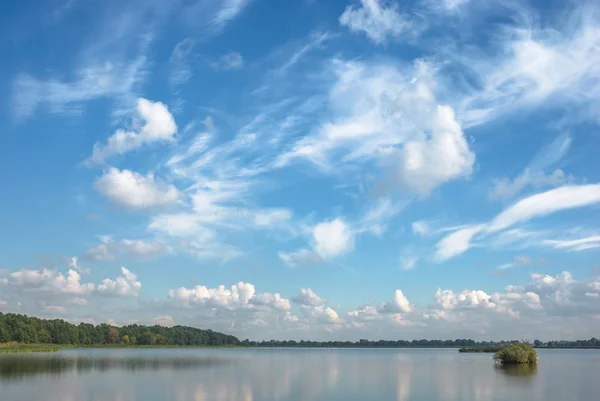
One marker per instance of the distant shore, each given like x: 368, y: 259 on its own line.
x: 6, y: 348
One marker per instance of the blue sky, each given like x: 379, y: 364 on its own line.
x: 309, y: 169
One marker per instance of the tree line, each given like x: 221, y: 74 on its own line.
x: 32, y: 330
x: 466, y: 343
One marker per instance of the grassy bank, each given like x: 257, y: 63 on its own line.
x: 14, y: 347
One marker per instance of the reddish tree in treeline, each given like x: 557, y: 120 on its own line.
x: 112, y: 335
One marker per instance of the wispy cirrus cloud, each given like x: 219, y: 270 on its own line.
x: 379, y: 20
x: 535, y: 206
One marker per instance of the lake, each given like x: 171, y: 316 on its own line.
x: 294, y: 375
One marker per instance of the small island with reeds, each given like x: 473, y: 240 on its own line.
x: 518, y: 353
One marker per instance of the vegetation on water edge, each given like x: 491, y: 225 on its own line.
x: 516, y: 354
x: 480, y: 349
x: 14, y: 347
x: 31, y: 330
x: 40, y: 333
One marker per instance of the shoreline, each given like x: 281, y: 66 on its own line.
x: 51, y: 348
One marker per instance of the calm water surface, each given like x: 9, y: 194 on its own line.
x: 294, y: 375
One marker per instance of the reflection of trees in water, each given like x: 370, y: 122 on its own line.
x: 20, y: 367
x: 517, y: 370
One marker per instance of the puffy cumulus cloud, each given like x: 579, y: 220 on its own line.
x: 133, y: 190
x: 308, y: 297
x: 153, y: 123
x: 535, y: 206
x: 364, y: 314
x: 400, y: 304
x: 325, y: 314
x: 50, y: 281
x: 125, y: 285
x: 448, y: 300
x: 274, y: 301
x: 165, y: 320
x: 426, y: 162
x: 73, y: 263
x: 544, y: 298
x: 301, y: 257
x: 104, y: 251
x: 377, y: 20
x: 238, y: 295
x: 333, y: 238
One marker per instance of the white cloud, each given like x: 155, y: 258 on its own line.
x: 376, y: 20
x: 78, y: 301
x: 453, y: 5
x: 212, y: 250
x: 238, y: 294
x: 49, y: 280
x: 95, y: 81
x: 274, y: 301
x: 456, y: 243
x: 408, y: 262
x: 425, y: 163
x: 535, y: 206
x: 545, y: 203
x: 74, y: 264
x: 388, y: 113
x: 579, y: 244
x: 535, y: 65
x: 325, y: 315
x: 158, y: 126
x: 165, y: 320
x: 106, y: 250
x: 144, y: 248
x: 420, y: 228
x: 181, y: 71
x: 301, y: 257
x: 535, y: 173
x: 228, y: 10
x: 125, y: 285
x: 110, y: 249
x: 448, y: 300
x: 333, y: 238
x: 53, y: 309
x: 400, y: 304
x: 133, y: 190
x: 505, y: 188
x: 377, y: 217
x: 272, y: 217
x: 230, y: 61
x: 308, y: 297
x: 521, y: 260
